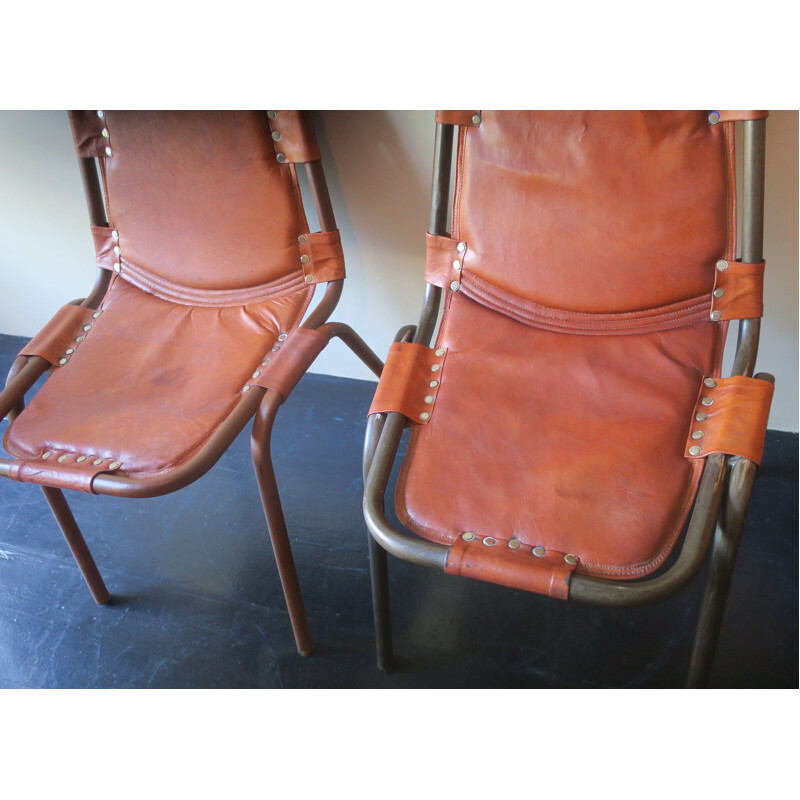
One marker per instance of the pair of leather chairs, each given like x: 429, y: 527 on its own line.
x: 566, y: 414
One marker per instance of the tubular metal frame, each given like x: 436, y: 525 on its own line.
x: 722, y: 496
x: 259, y: 402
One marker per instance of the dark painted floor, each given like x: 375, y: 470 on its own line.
x: 197, y: 602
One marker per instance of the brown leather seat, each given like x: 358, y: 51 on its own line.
x: 559, y: 420
x: 207, y: 267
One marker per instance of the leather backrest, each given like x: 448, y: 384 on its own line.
x: 595, y: 211
x: 199, y: 198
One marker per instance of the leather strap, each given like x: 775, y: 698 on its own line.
x: 88, y: 129
x: 59, y: 335
x: 715, y: 117
x: 444, y: 260
x: 289, y: 360
x: 733, y: 418
x: 104, y: 243
x: 738, y: 291
x: 295, y: 142
x: 410, y: 381
x: 458, y: 117
x: 61, y: 470
x: 321, y: 256
x: 518, y: 569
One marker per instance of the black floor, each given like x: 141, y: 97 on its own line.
x: 197, y: 602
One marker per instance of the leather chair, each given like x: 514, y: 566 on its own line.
x: 571, y: 410
x: 206, y: 269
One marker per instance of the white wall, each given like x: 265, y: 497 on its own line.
x: 378, y: 165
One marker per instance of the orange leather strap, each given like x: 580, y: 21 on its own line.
x: 519, y: 569
x: 410, y: 381
x: 321, y: 256
x: 105, y: 240
x: 730, y: 417
x: 738, y: 291
x: 444, y: 260
x: 293, y: 135
x: 62, y: 470
x: 735, y: 116
x: 56, y: 341
x: 289, y: 360
x: 458, y: 117
x: 88, y: 128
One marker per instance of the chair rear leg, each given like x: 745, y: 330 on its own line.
x: 80, y: 551
x: 379, y: 575
x: 723, y: 559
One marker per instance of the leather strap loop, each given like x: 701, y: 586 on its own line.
x: 715, y: 117
x: 458, y: 118
x: 444, y: 260
x: 61, y: 470
x: 289, y: 360
x: 738, y: 291
x: 325, y: 258
x: 295, y: 142
x: 733, y: 414
x: 87, y: 133
x: 104, y: 244
x: 59, y: 335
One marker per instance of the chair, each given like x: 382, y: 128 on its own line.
x: 206, y: 268
x: 571, y: 410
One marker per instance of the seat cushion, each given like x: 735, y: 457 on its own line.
x: 152, y: 379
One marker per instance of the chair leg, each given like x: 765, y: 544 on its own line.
x: 723, y: 559
x: 276, y: 524
x: 379, y: 575
x: 80, y: 551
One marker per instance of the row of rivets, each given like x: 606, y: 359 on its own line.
x: 429, y: 399
x: 105, y: 134
x: 515, y: 544
x: 282, y: 337
x: 70, y: 350
x: 461, y: 248
x: 80, y: 459
x: 276, y: 137
x: 721, y: 266
x: 701, y: 416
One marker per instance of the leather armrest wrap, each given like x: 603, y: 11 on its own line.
x: 406, y: 381
x: 283, y: 368
x: 59, y: 334
x: 297, y: 140
x: 734, y: 421
x: 518, y: 569
x: 742, y: 286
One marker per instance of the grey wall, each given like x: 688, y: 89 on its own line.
x: 378, y: 166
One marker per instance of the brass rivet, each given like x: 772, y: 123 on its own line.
x: 716, y: 316
x: 570, y: 558
x: 283, y: 337
x: 309, y: 279
x: 104, y: 133
x: 700, y: 416
x: 698, y: 435
x: 80, y: 338
x: 69, y: 351
x: 80, y: 459
x: 304, y: 259
x: 97, y: 462
x: 281, y: 158
x: 461, y: 247
x: 117, y: 251
x: 476, y: 119
x: 101, y: 114
x: 272, y: 114
x: 117, y: 267
x: 433, y: 384
x: 246, y: 388
x: 514, y: 544
x: 489, y: 541
x: 436, y: 367
x: 424, y: 415
x: 256, y: 373
x: 707, y: 401
x: 62, y: 458
x: 456, y: 264
x: 719, y: 293
x: 115, y: 235
x: 468, y: 536
x: 265, y: 362
x: 710, y: 382
x: 114, y: 465
x: 455, y: 286
x: 713, y: 117
x: 87, y: 327
x: 47, y: 454
x: 96, y: 314
x: 428, y: 398
x: 302, y: 239
x: 109, y: 152
x: 62, y: 361
x: 695, y: 450
x: 275, y: 348
x: 276, y: 137
x: 722, y: 265
x: 440, y: 352
x: 538, y: 551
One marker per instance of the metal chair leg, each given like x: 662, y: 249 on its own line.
x: 265, y: 473
x: 379, y: 576
x: 77, y: 545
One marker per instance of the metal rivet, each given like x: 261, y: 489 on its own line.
x: 275, y: 348
x: 101, y: 114
x: 265, y: 362
x: 456, y: 264
x: 109, y: 152
x: 440, y: 352
x: 283, y: 337
x: 61, y: 459
x: 246, y: 388
x: 436, y: 367
x: 700, y: 416
x: 710, y: 382
x: 722, y: 265
x: 461, y: 247
x: 47, y: 454
x: 468, y: 536
x: 716, y: 316
x: 713, y: 117
x: 256, y: 373
x: 272, y: 114
x: 281, y: 158
x: 80, y: 338
x: 304, y: 259
x: 489, y: 541
x: 476, y: 119
x: 62, y: 361
x: 698, y: 435
x: 97, y: 462
x: 429, y: 398
x: 309, y: 279
x: 424, y: 415
x: 117, y: 267
x: 115, y: 235
x: 302, y: 238
x: 455, y: 286
x: 114, y: 465
x: 276, y: 137
x: 433, y: 384
x: 707, y: 401
x: 87, y: 327
x: 719, y: 293
x: 104, y: 133
x: 695, y: 450
x: 69, y: 351
x: 96, y: 314
x: 80, y: 459
x: 117, y: 251
x: 570, y: 558
x: 514, y: 544
x: 538, y: 551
